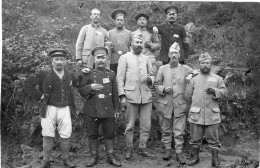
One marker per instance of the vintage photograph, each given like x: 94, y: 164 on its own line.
x: 131, y: 84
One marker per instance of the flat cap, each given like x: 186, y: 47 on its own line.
x: 138, y: 36
x: 175, y: 46
x: 204, y: 56
x: 171, y: 7
x: 140, y: 15
x: 58, y: 52
x: 99, y: 50
x: 118, y: 13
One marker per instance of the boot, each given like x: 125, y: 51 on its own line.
x: 128, y: 153
x: 65, y: 146
x: 144, y: 152
x: 48, y: 143
x: 195, y: 158
x: 180, y: 158
x: 215, y: 160
x: 109, y: 143
x: 167, y: 155
x: 93, y: 147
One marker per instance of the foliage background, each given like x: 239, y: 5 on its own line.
x: 229, y: 31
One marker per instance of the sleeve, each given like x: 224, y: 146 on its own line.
x: 156, y: 44
x: 189, y: 91
x: 115, y: 97
x: 75, y: 80
x: 159, y: 82
x: 85, y: 85
x: 80, y: 43
x: 108, y: 46
x: 221, y: 91
x: 185, y: 43
x: 31, y: 83
x: 150, y: 70
x: 121, y: 75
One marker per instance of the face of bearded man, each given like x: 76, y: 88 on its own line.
x: 205, y: 66
x: 137, y: 46
x: 58, y: 63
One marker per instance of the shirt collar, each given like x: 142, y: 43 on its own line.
x: 95, y: 25
x: 142, y: 29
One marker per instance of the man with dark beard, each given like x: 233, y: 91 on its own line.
x: 204, y: 91
x: 99, y: 88
x: 134, y: 77
x: 172, y: 32
x: 120, y: 37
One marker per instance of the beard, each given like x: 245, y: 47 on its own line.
x: 205, y: 70
x: 137, y: 49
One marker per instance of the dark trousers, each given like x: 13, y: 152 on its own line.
x: 107, y: 124
x: 209, y: 131
x: 113, y: 67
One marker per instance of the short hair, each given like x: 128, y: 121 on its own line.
x: 93, y: 10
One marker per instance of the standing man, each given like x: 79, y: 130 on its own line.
x: 150, y: 40
x: 134, y: 77
x: 56, y: 93
x: 204, y: 91
x: 172, y: 32
x: 91, y: 36
x: 120, y: 37
x: 99, y: 88
x: 170, y: 84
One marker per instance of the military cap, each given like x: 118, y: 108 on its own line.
x: 204, y: 56
x: 99, y: 50
x: 117, y: 13
x: 138, y: 36
x: 140, y: 15
x: 58, y: 52
x: 175, y: 46
x: 171, y: 7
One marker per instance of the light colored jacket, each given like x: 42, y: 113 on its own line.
x: 204, y: 108
x: 91, y: 36
x: 121, y: 41
x: 132, y: 74
x: 176, y: 79
x: 152, y: 38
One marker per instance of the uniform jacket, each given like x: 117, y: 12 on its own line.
x: 132, y: 74
x: 121, y: 41
x: 152, y: 38
x: 99, y: 104
x: 176, y: 79
x: 91, y: 36
x: 44, y: 80
x: 204, y: 108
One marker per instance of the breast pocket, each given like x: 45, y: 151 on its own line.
x: 194, y: 113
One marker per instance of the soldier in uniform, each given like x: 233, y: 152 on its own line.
x: 204, y: 91
x: 55, y: 91
x: 170, y: 85
x: 99, y: 88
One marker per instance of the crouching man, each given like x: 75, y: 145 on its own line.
x: 99, y: 88
x: 55, y: 91
x: 204, y: 91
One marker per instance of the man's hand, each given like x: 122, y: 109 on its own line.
x: 79, y: 62
x: 155, y: 30
x: 85, y: 70
x: 123, y: 102
x: 210, y: 91
x: 167, y: 90
x: 147, y: 45
x: 96, y: 86
x: 149, y: 81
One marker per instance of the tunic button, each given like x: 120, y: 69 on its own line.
x: 105, y: 107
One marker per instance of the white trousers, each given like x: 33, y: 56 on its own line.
x: 57, y: 117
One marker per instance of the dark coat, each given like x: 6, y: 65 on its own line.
x: 43, y: 79
x: 99, y: 104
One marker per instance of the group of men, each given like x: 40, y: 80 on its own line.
x: 119, y: 70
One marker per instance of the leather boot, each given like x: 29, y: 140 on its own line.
x: 180, y: 158
x: 48, y: 143
x: 128, y: 152
x: 93, y: 147
x: 215, y: 159
x: 144, y: 152
x: 109, y: 143
x: 65, y: 146
x: 167, y: 155
x: 195, y: 155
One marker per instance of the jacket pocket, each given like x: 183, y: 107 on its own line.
x: 129, y: 88
x: 215, y: 114
x: 194, y: 113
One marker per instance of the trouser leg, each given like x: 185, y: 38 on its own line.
x: 179, y: 125
x: 130, y: 117
x: 145, y: 123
